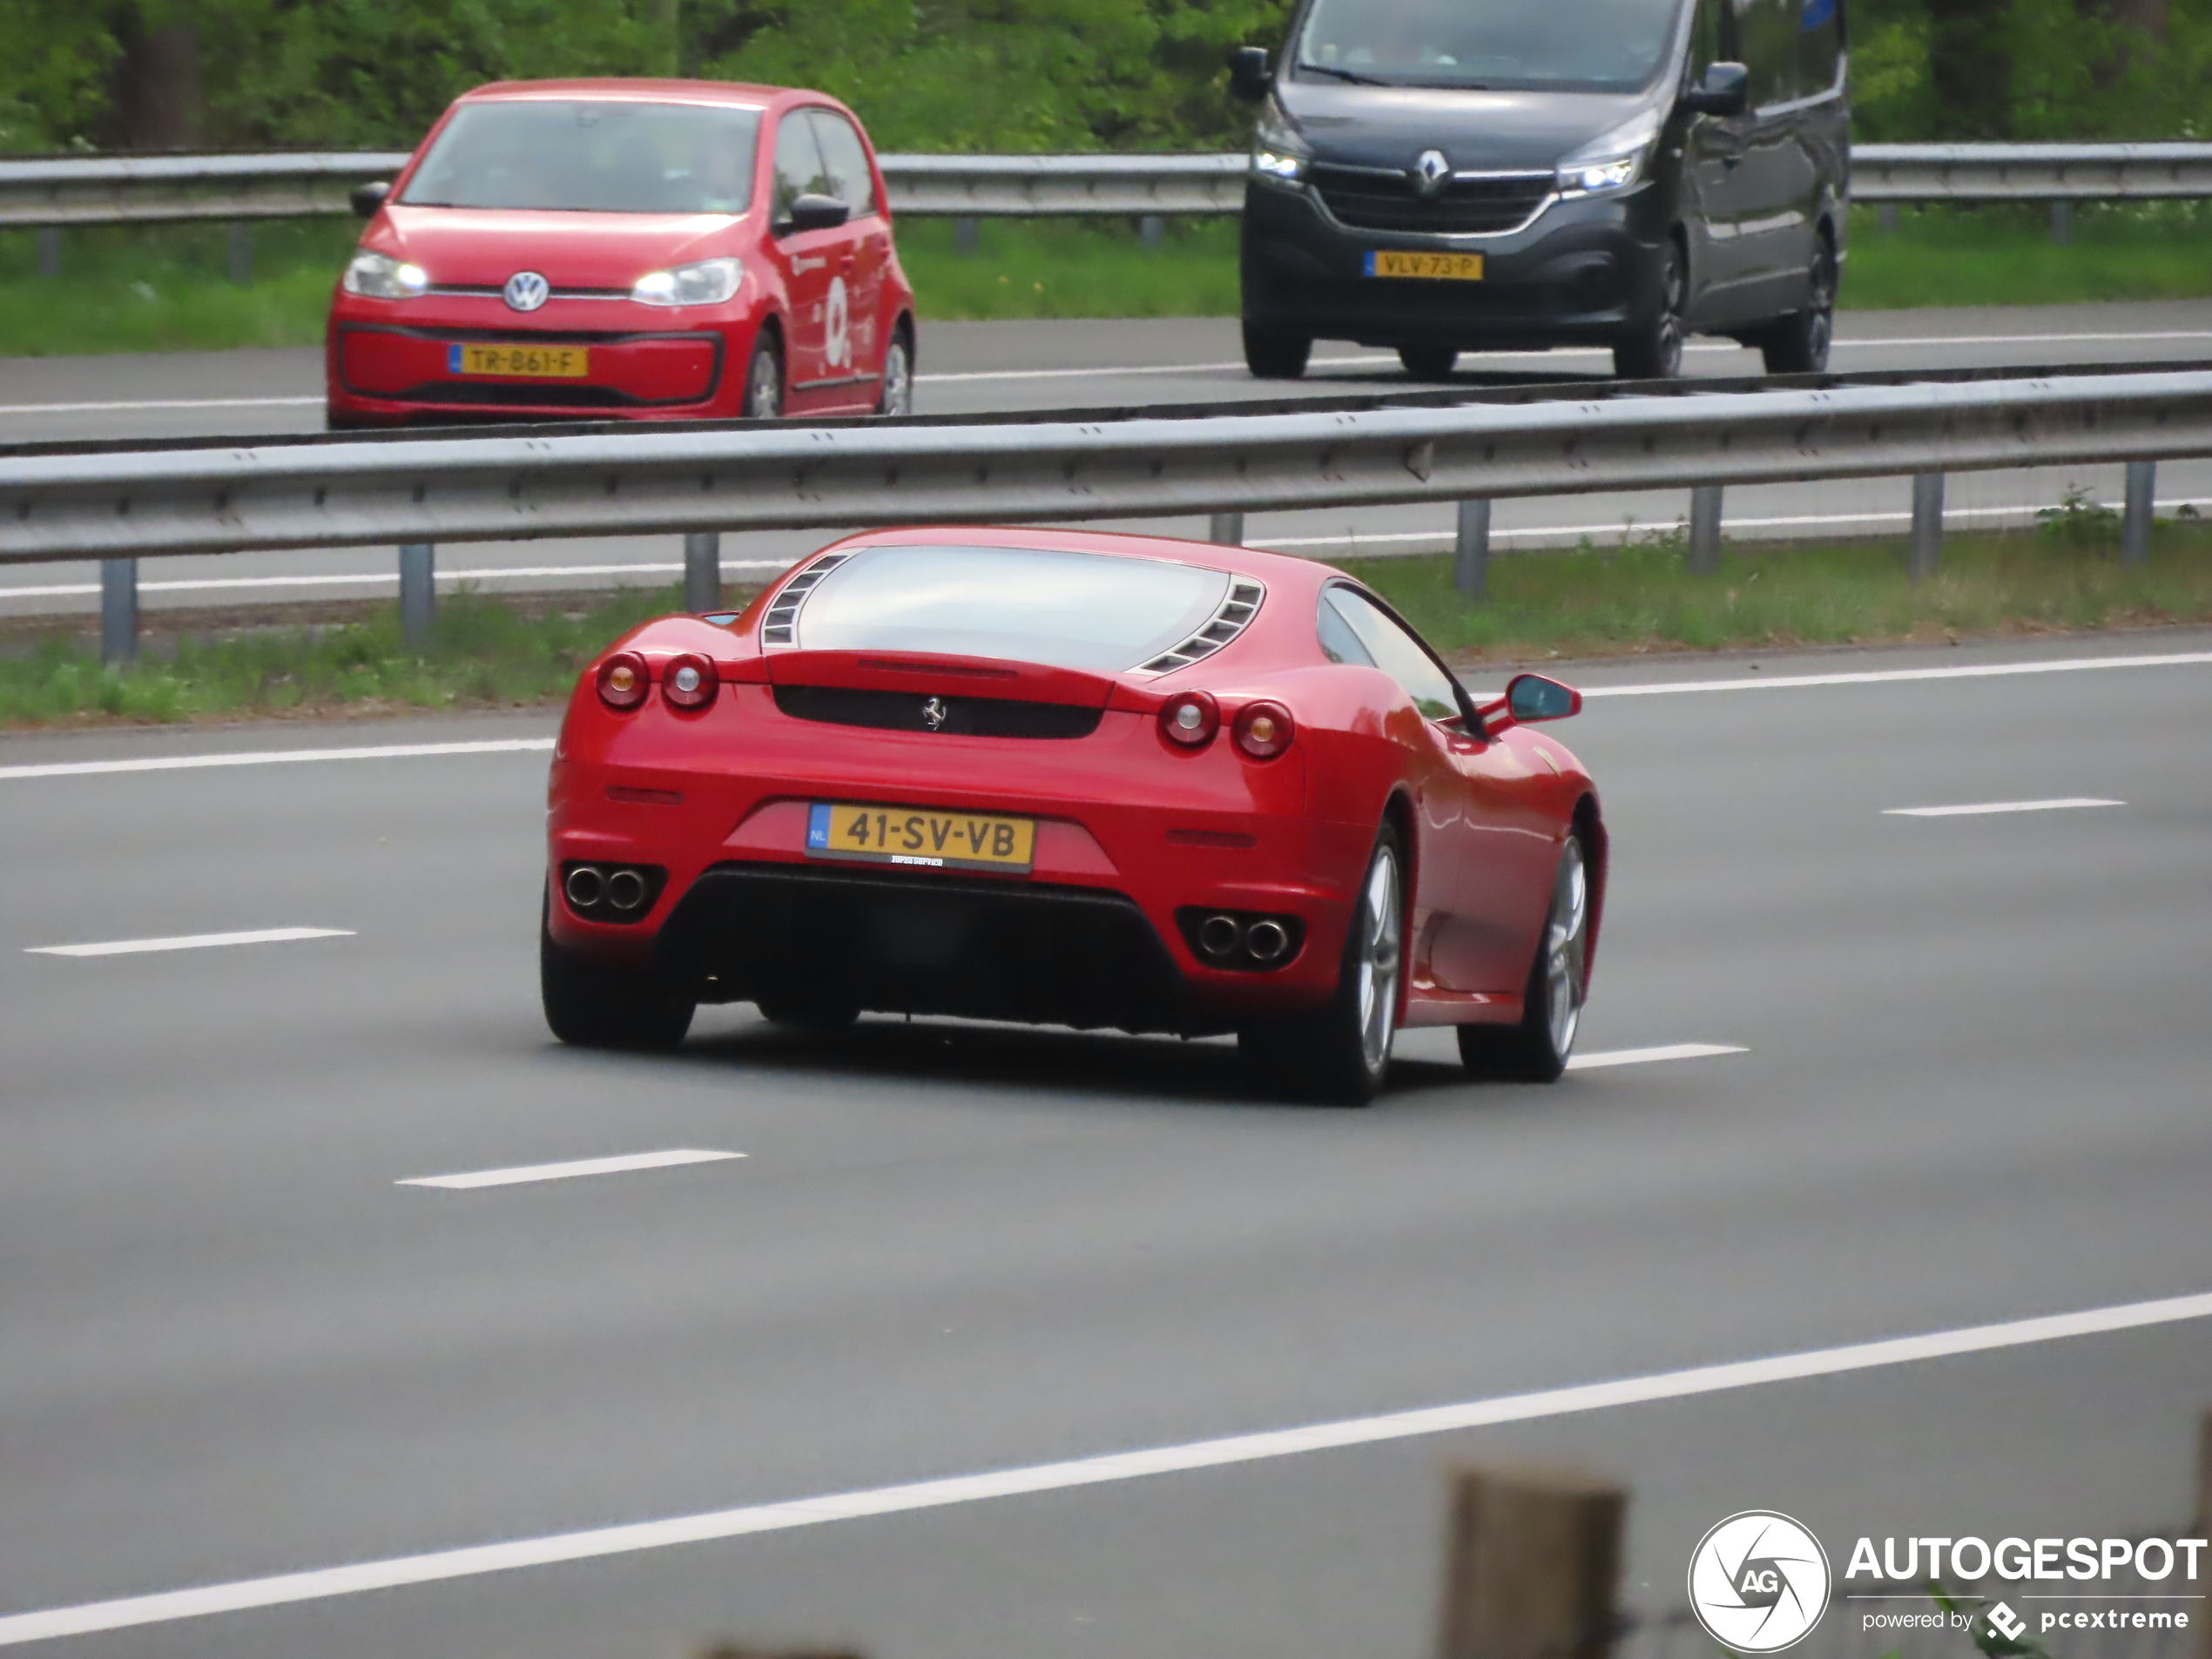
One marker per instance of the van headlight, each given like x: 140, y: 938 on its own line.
x: 1590, y: 178
x: 378, y: 276
x: 709, y: 282
x: 1277, y: 150
x: 1612, y: 160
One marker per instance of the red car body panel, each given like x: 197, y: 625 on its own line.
x: 1122, y: 813
x: 389, y: 361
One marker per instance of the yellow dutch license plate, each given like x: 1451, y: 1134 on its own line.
x: 936, y: 840
x: 543, y: 362
x: 1448, y: 267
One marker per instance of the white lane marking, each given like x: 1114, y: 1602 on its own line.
x: 190, y: 941
x: 388, y: 578
x: 473, y: 1561
x: 1894, y: 676
x: 1605, y: 1057
x: 522, y: 1172
x: 157, y: 403
x: 273, y: 758
x: 1999, y: 806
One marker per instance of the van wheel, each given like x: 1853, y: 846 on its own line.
x: 1428, y: 362
x: 1797, y: 344
x: 1652, y: 351
x: 1536, y: 1050
x: 1275, y: 353
x: 1339, y: 1054
x: 763, y: 379
x: 591, y: 1006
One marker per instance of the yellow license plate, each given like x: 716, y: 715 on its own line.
x: 1449, y: 267
x: 935, y: 840
x: 544, y: 362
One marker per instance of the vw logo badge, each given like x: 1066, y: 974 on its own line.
x: 526, y: 291
x: 934, y: 712
x: 1431, y: 171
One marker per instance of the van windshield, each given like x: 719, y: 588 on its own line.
x: 616, y: 156
x: 1513, y: 46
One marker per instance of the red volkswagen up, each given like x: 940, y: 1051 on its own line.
x: 655, y: 249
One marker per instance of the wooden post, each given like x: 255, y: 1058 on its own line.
x: 1532, y: 1566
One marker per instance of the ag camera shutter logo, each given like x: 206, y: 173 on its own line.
x: 1758, y: 1582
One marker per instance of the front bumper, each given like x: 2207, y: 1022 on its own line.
x: 1580, y: 272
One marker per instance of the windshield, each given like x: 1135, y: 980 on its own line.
x: 1086, y: 610
x: 1574, y: 45
x: 609, y: 157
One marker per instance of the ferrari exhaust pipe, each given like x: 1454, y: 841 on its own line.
x: 1266, y: 940
x: 626, y: 889
x: 586, y: 886
x: 1218, y: 936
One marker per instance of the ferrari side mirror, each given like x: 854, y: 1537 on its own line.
x: 1530, y: 698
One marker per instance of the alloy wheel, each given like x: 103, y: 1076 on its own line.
x: 763, y: 390
x: 1377, y: 966
x: 898, y: 380
x: 1565, y: 947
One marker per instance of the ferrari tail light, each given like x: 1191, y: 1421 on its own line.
x: 1189, y: 719
x: 1264, y: 730
x: 624, y: 681
x: 689, y: 681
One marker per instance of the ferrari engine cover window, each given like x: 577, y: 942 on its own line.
x: 569, y: 154
x: 1080, y: 611
x: 1393, y: 651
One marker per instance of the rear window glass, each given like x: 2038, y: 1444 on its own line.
x: 596, y: 158
x: 1086, y: 610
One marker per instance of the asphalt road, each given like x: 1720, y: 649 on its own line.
x: 1973, y: 1090
x: 971, y: 367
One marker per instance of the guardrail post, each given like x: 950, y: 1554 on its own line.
x: 418, y: 593
x: 238, y: 248
x: 50, y: 250
x: 1226, y: 529
x: 2141, y: 505
x: 1471, y: 551
x: 2061, y: 223
x: 701, y: 569
x: 1885, y: 218
x: 1705, y: 529
x: 968, y: 232
x: 1927, y: 523
x: 1532, y: 1566
x: 1151, y: 232
x: 118, y: 611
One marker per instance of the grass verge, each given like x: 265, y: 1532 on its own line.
x: 163, y: 287
x: 1591, y: 601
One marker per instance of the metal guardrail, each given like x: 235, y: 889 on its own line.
x: 49, y: 192
x: 352, y: 492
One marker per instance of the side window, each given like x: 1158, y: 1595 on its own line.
x: 799, y: 164
x: 847, y: 160
x: 1709, y: 37
x: 1338, y: 643
x: 1389, y: 647
x: 1820, y: 46
x: 1768, y: 32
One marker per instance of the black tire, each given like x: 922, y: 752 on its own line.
x: 591, y: 1006
x: 764, y: 379
x: 897, y: 396
x: 1340, y: 1055
x: 1275, y: 353
x: 1537, y: 1049
x: 1797, y: 344
x: 1428, y: 362
x: 1652, y: 351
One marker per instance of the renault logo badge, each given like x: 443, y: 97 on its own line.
x: 527, y: 291
x: 934, y: 712
x: 1430, y: 172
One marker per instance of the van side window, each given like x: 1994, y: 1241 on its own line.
x: 1768, y: 32
x: 1820, y: 45
x: 1708, y: 41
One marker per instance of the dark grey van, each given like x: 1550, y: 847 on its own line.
x: 1443, y: 176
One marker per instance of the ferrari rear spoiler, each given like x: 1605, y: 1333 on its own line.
x: 935, y: 673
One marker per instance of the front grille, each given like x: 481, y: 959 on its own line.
x: 1378, y: 201
x: 976, y: 949
x: 963, y: 717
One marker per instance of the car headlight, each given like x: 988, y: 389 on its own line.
x: 1612, y: 160
x: 1276, y: 164
x: 379, y: 276
x: 1277, y: 150
x: 1589, y: 178
x: 707, y: 283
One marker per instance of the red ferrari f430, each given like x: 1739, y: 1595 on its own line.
x: 1074, y: 778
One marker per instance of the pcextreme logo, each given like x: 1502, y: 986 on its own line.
x: 1758, y: 1582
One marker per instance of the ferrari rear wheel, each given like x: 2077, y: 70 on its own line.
x: 1537, y: 1049
x: 592, y: 1006
x: 1340, y: 1055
